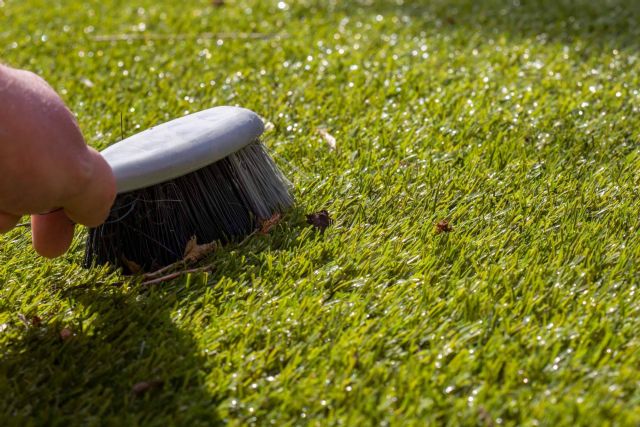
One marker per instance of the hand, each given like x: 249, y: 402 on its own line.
x: 45, y: 165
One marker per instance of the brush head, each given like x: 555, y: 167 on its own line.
x: 205, y: 175
x: 181, y: 146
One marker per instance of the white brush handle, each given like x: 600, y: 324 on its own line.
x: 181, y: 146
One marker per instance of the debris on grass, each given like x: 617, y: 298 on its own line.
x: 320, y: 220
x: 328, y: 138
x: 443, y: 226
x: 143, y: 387
x: 88, y: 83
x: 194, y: 252
x: 268, y: 224
x: 132, y: 266
x: 66, y: 334
x: 485, y: 417
x: 36, y: 321
x: 170, y: 276
x: 268, y: 127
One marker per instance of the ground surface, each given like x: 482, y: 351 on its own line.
x: 518, y: 122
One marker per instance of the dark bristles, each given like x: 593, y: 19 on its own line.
x: 224, y: 201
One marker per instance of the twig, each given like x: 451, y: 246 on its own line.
x: 175, y: 275
x: 207, y: 36
x: 164, y: 270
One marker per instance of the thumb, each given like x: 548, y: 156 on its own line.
x: 52, y: 233
x: 92, y: 205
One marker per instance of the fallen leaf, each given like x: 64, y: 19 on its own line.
x: 328, y: 138
x: 268, y: 224
x: 66, y: 334
x: 143, y: 387
x: 194, y: 252
x: 132, y: 266
x: 320, y: 220
x: 443, y: 226
x: 30, y: 321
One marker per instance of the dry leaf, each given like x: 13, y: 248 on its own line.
x: 443, y: 226
x: 194, y: 252
x: 328, y: 138
x: 65, y: 334
x: 34, y: 321
x: 320, y: 220
x: 268, y: 224
x: 143, y: 387
x: 132, y: 266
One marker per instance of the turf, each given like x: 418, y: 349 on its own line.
x: 517, y: 122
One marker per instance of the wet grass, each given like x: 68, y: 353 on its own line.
x: 517, y: 124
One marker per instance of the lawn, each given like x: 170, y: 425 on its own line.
x: 517, y: 123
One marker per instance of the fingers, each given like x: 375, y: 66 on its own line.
x: 7, y: 221
x: 91, y: 207
x: 51, y: 233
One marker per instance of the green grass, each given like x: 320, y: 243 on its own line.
x: 516, y: 121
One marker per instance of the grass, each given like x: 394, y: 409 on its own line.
x: 518, y: 122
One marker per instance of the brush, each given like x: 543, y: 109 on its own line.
x: 205, y: 175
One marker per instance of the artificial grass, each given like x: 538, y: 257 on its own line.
x: 515, y: 121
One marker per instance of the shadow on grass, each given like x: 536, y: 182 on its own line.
x: 611, y: 23
x: 126, y: 361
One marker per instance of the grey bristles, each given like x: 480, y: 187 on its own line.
x: 223, y: 201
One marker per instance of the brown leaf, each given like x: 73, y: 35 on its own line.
x: 143, y: 387
x: 443, y: 226
x: 320, y: 220
x: 194, y: 252
x: 66, y: 334
x: 328, y: 138
x: 268, y: 224
x: 132, y: 266
x: 217, y: 3
x: 34, y: 321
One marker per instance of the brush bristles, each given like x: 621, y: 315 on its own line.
x: 223, y: 201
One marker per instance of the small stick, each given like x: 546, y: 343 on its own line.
x: 175, y: 275
x: 164, y: 270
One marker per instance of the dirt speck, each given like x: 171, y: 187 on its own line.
x: 143, y: 387
x: 66, y: 334
x: 320, y: 220
x: 443, y: 226
x: 36, y: 321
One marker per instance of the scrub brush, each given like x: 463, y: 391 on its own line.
x: 205, y: 175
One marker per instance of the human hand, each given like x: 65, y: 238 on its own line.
x: 46, y: 165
